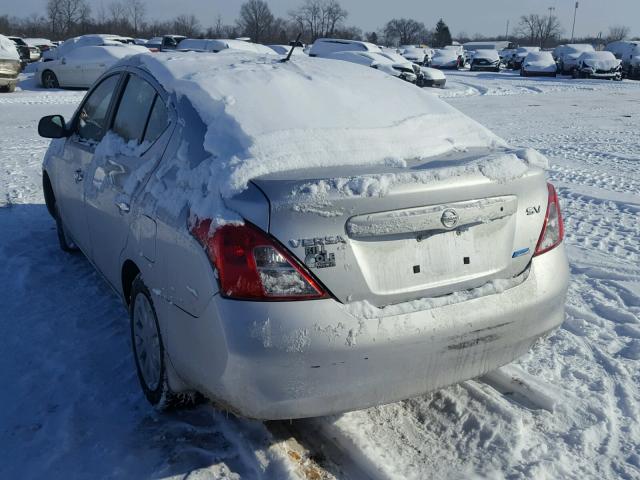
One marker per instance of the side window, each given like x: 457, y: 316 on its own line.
x: 92, y: 121
x: 158, y: 121
x: 134, y: 108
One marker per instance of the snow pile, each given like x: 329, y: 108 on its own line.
x: 264, y: 116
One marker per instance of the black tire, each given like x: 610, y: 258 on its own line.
x: 159, y: 395
x: 8, y: 88
x: 49, y: 79
x: 64, y: 239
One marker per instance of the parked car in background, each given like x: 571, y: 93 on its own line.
x: 539, y: 64
x: 426, y: 77
x: 462, y: 53
x: 447, y: 59
x: 430, y: 270
x: 485, y: 60
x: 219, y: 44
x: 323, y: 47
x: 629, y: 54
x: 23, y: 49
x: 567, y: 56
x: 379, y: 61
x: 141, y: 41
x: 93, y: 40
x: 489, y: 45
x: 598, y: 65
x: 80, y: 67
x: 419, y: 55
x: 166, y: 42
x: 506, y: 54
x: 10, y: 65
x: 515, y: 62
x: 42, y: 44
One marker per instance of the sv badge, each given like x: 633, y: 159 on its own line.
x: 533, y: 210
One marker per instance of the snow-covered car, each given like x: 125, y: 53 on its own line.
x: 506, y: 54
x: 539, y: 64
x: 83, y: 65
x: 71, y: 44
x: 446, y: 58
x: 10, y: 65
x: 324, y: 47
x: 42, y: 44
x: 629, y: 55
x: 485, y: 60
x: 403, y: 70
x: 295, y: 239
x: 459, y: 49
x: 426, y: 77
x: 166, y: 42
x: 217, y: 45
x: 515, y: 62
x: 567, y: 56
x: 421, y: 56
x: 598, y: 65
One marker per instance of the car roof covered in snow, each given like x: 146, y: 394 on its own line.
x: 8, y: 49
x: 325, y: 46
x: 263, y: 115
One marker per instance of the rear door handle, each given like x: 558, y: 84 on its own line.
x: 78, y: 176
x: 123, y: 207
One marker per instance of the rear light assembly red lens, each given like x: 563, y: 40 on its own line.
x: 252, y: 265
x: 553, y: 227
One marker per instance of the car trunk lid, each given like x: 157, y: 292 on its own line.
x: 396, y: 233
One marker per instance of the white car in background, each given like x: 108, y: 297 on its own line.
x: 217, y: 45
x: 71, y: 44
x: 567, y: 55
x: 285, y: 49
x: 485, y: 60
x: 403, y: 70
x: 459, y: 49
x: 427, y: 77
x: 10, y: 65
x: 515, y: 62
x: 629, y: 54
x: 539, y: 64
x: 324, y: 47
x: 81, y: 67
x: 166, y: 42
x: 446, y: 58
x: 421, y: 56
x: 598, y: 65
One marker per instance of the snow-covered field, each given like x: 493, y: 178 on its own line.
x: 70, y: 406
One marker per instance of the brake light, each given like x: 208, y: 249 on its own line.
x: 252, y: 265
x: 553, y: 228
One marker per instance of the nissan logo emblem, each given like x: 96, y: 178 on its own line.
x: 449, y: 218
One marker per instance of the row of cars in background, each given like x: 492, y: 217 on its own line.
x: 79, y: 61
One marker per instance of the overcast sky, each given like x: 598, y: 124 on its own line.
x: 488, y: 17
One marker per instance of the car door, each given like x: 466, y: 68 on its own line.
x: 121, y: 166
x: 97, y: 60
x: 89, y: 127
x: 70, y: 70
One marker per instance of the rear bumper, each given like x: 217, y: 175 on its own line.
x: 534, y: 73
x: 302, y: 359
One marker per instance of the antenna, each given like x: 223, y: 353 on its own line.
x: 292, y: 48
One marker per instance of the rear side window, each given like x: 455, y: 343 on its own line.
x: 158, y: 121
x: 92, y: 121
x: 133, y: 111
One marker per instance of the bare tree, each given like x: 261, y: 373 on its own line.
x: 187, y: 25
x: 618, y: 32
x: 68, y: 16
x: 319, y: 18
x: 137, y: 12
x: 256, y: 20
x: 539, y: 29
x: 403, y: 31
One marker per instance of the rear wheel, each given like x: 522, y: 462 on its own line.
x: 149, y: 352
x: 49, y: 79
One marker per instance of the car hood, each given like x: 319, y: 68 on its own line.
x: 432, y: 73
x: 601, y: 64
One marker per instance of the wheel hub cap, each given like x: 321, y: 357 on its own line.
x: 147, y: 341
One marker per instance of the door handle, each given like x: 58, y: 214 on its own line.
x: 78, y: 176
x: 123, y: 207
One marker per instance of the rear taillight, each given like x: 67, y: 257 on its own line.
x: 553, y: 228
x: 252, y: 265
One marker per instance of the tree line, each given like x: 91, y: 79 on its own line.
x: 313, y: 19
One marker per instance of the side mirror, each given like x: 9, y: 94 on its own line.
x: 52, y: 126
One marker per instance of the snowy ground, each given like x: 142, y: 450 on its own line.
x: 70, y: 406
